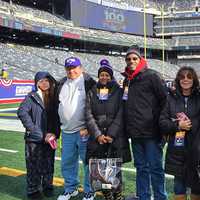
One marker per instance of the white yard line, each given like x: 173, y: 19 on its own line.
x: 59, y: 159
x: 7, y: 109
x: 16, y: 125
x: 8, y: 150
x: 123, y: 168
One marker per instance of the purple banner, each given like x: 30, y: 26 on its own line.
x: 92, y: 15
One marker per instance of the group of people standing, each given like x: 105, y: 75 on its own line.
x: 96, y: 119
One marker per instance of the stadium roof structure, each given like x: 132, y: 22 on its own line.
x: 152, y: 6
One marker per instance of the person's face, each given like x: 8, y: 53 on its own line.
x: 186, y: 80
x: 43, y: 84
x: 74, y: 72
x: 104, y: 78
x: 132, y: 60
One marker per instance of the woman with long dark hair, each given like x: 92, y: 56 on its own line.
x: 179, y: 120
x: 39, y: 117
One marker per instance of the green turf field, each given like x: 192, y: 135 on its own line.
x: 13, y: 188
x: 15, y: 105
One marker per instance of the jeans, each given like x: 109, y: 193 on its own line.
x: 179, y: 186
x: 148, y: 155
x: 73, y: 147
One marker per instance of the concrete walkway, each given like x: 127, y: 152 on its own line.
x: 11, y: 125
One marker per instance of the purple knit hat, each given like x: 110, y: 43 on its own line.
x: 105, y: 67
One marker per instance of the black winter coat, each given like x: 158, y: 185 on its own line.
x: 36, y: 119
x: 179, y: 158
x: 146, y: 97
x: 106, y: 117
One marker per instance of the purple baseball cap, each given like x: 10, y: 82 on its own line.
x: 72, y: 62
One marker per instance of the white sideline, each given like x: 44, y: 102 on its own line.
x: 58, y: 158
x: 123, y: 168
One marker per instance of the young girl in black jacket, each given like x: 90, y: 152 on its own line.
x: 104, y: 114
x: 39, y: 117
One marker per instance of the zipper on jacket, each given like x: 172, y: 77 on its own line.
x: 185, y: 104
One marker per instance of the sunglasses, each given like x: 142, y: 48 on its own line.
x: 188, y: 76
x: 133, y: 58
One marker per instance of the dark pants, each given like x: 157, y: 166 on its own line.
x: 40, y: 166
x: 179, y: 186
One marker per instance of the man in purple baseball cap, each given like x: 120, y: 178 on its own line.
x: 73, y: 67
x: 72, y: 62
x: 72, y: 92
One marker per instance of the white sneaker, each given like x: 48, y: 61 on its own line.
x: 67, y: 195
x: 89, y: 196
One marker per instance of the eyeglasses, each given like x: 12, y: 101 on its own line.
x: 133, y: 58
x: 188, y: 76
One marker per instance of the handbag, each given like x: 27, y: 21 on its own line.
x: 105, y: 173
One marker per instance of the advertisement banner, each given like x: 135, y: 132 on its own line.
x: 84, y: 13
x: 14, y: 91
x: 18, y: 25
x: 71, y: 35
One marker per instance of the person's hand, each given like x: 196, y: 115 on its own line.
x: 48, y: 135
x: 102, y: 139
x: 185, y: 125
x: 109, y: 139
x: 83, y: 132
